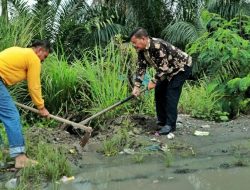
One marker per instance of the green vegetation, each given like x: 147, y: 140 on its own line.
x: 202, y: 101
x: 222, y: 54
x: 19, y: 32
x: 116, y: 143
x: 104, y: 77
x: 139, y: 158
x: 93, y: 67
x: 62, y: 84
x: 168, y: 159
x: 52, y: 166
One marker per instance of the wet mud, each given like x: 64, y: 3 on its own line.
x: 219, y: 160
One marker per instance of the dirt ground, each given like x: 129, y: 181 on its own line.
x: 230, y: 139
x: 225, y: 146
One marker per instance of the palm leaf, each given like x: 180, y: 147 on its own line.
x: 180, y: 33
x: 229, y: 8
x: 18, y: 7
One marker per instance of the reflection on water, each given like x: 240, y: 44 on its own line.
x: 120, y: 174
x: 229, y: 179
x: 212, y: 167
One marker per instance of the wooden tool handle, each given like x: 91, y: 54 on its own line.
x: 76, y: 125
x: 109, y: 108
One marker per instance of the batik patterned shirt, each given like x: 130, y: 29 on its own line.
x: 164, y: 57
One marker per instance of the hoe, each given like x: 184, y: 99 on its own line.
x: 82, y: 124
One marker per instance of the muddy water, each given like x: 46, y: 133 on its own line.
x: 220, y: 161
x: 122, y: 173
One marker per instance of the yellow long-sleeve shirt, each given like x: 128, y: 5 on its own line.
x: 17, y: 64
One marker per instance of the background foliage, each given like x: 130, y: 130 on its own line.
x: 92, y: 66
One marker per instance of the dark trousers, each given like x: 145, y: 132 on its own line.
x: 167, y: 95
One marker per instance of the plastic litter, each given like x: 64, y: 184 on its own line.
x: 157, y: 134
x: 165, y: 148
x: 11, y: 184
x: 170, y: 136
x: 128, y: 151
x: 155, y: 140
x: 153, y: 147
x: 72, y: 151
x: 66, y: 179
x: 156, y: 181
x: 201, y: 133
x: 205, y: 126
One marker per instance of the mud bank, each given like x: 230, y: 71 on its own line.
x: 219, y: 160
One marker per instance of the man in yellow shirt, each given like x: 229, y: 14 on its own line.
x: 17, y: 64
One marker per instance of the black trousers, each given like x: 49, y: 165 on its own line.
x: 167, y: 95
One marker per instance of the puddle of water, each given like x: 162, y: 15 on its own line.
x: 211, y: 168
x: 230, y: 179
x: 121, y: 174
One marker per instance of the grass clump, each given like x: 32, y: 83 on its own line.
x: 138, y: 158
x: 104, y: 76
x: 52, y: 166
x: 201, y: 100
x: 113, y: 146
x: 168, y: 158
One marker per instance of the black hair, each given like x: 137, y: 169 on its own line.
x: 42, y: 43
x: 138, y: 33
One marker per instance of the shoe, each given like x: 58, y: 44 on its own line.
x: 165, y: 130
x: 173, y: 129
x: 160, y: 123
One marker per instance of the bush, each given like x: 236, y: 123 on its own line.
x: 222, y: 53
x: 237, y: 96
x: 61, y: 84
x: 202, y: 101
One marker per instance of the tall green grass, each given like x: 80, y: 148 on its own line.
x: 105, y: 74
x: 61, y: 84
x: 84, y: 86
x: 100, y: 79
x: 53, y: 164
x: 200, y: 100
x: 19, y: 31
x: 114, y: 145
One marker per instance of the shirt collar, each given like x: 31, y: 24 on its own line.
x: 148, y: 44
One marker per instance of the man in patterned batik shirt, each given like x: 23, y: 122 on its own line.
x: 172, y: 66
